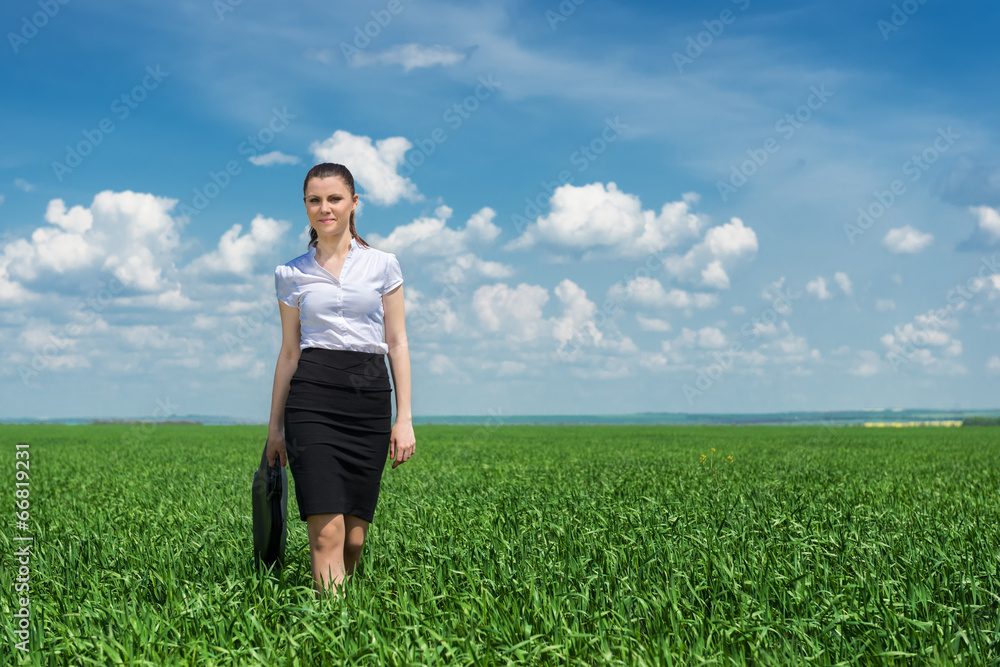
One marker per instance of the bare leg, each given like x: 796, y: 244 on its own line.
x: 355, y: 531
x: 326, y: 550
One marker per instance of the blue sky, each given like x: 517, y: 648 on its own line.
x: 597, y: 207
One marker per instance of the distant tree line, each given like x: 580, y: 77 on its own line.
x: 981, y: 421
x: 141, y: 421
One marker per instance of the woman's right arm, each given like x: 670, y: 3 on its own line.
x: 288, y: 361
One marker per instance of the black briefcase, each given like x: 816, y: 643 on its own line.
x: 270, y: 511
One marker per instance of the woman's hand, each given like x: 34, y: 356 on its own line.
x: 402, y: 442
x: 275, y: 448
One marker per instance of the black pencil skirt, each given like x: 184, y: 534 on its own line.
x: 338, y: 420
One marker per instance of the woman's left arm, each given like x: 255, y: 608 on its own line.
x: 402, y: 443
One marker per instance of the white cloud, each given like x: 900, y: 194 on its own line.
x: 578, y: 313
x: 433, y: 316
x: 430, y: 236
x: 761, y: 328
x: 511, y: 368
x: 237, y: 254
x: 77, y: 220
x: 711, y: 338
x: 441, y: 364
x: 925, y: 330
x: 731, y: 239
x: 127, y: 233
x: 459, y: 269
x: 325, y: 56
x: 169, y: 300
x: 149, y: 236
x: 516, y: 313
x: 906, y: 240
x: 778, y: 346
x: 144, y: 336
x: 373, y: 166
x: 708, y: 262
x: 714, y: 275
x: 995, y: 282
x: 232, y: 361
x: 410, y: 56
x: 650, y: 292
x: 779, y: 296
x: 22, y: 184
x: 596, y: 217
x: 817, y: 288
x: 914, y: 344
x: 38, y: 334
x: 885, y: 305
x: 706, y: 338
x: 843, y: 282
x: 651, y: 323
x: 59, y: 249
x: 793, y: 345
x: 599, y: 216
x: 10, y: 290
x: 653, y: 361
x: 788, y: 349
x: 273, y: 158
x: 989, y: 221
x: 993, y: 365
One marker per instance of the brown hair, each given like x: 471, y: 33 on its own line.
x: 325, y: 170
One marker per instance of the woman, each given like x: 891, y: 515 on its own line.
x: 330, y: 406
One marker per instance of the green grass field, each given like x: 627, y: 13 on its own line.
x: 523, y: 545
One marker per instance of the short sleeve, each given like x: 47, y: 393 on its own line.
x: 285, y: 287
x: 393, y: 274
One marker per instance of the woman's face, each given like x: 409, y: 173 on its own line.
x: 329, y: 204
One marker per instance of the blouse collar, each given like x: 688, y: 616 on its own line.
x: 350, y: 250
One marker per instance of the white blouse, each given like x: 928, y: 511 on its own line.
x: 343, y: 314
